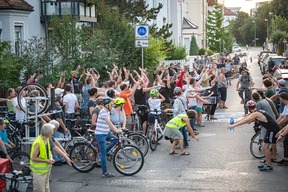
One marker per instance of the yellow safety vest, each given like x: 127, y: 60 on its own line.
x: 40, y: 167
x: 177, y: 122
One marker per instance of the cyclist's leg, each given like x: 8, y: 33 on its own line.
x: 101, y: 140
x: 113, y: 141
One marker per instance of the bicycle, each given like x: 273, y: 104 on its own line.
x: 124, y: 157
x: 155, y: 135
x: 15, y: 180
x: 256, y: 143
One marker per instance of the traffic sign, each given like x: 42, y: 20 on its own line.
x: 141, y: 32
x: 142, y: 43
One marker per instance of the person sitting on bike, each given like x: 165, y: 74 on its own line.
x: 172, y: 130
x: 102, y: 133
x: 117, y: 115
x: 268, y: 123
x: 155, y: 107
x: 5, y: 143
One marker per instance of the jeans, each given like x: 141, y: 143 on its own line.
x: 192, y: 121
x: 101, y: 140
x: 56, y: 156
x: 185, y: 137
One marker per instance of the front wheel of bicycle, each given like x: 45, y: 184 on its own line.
x: 140, y: 142
x: 153, y: 141
x: 256, y: 146
x: 128, y: 160
x: 20, y: 162
x: 23, y: 98
x: 83, y: 157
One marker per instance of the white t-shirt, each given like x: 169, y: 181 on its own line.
x: 71, y: 100
x: 188, y: 92
x: 20, y: 115
x: 154, y: 104
x: 285, y: 111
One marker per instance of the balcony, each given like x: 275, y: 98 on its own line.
x: 77, y: 8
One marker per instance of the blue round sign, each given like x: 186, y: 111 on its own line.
x: 142, y: 31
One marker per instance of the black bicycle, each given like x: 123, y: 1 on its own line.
x: 256, y: 143
x: 15, y: 180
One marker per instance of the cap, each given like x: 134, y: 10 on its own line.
x: 282, y: 82
x: 177, y: 90
x: 59, y: 91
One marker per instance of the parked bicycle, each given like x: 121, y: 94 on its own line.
x: 256, y: 144
x: 15, y: 179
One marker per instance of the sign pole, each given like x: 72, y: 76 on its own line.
x: 142, y: 53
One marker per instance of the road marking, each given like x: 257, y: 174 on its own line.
x: 225, y: 116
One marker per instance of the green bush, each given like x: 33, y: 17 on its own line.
x: 178, y: 54
x: 201, y: 51
x: 193, y: 46
x: 210, y: 52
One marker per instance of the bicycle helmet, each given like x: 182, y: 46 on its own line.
x: 58, y: 97
x: 119, y: 101
x: 153, y: 92
x: 251, y: 103
x: 106, y: 101
x: 110, y: 93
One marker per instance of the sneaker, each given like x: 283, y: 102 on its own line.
x: 107, y: 175
x: 196, y: 133
x: 201, y: 125
x: 261, y: 166
x: 282, y: 162
x: 266, y: 168
x: 242, y: 102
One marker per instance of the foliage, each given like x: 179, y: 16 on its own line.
x: 280, y: 8
x: 277, y: 35
x: 237, y: 25
x: 201, y: 51
x: 215, y: 29
x: 209, y: 52
x: 193, y: 46
x: 10, y: 66
x: 178, y: 54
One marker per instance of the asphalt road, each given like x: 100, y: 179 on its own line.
x: 220, y: 161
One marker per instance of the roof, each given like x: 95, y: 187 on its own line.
x: 188, y: 24
x: 16, y: 5
x: 228, y: 12
x: 211, y: 2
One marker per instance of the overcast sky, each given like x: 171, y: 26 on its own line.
x: 246, y: 5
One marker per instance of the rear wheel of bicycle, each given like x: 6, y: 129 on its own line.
x: 153, y: 141
x: 128, y: 160
x: 140, y: 141
x: 21, y: 162
x: 256, y: 146
x: 43, y: 99
x: 83, y: 157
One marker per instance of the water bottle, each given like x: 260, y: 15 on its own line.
x: 231, y: 123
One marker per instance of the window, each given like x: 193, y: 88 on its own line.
x: 18, y: 37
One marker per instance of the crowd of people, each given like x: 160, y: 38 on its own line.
x: 186, y: 91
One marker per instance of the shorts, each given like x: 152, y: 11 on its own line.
x: 228, y: 74
x: 270, y: 137
x: 199, y: 109
x: 223, y: 92
x: 172, y: 133
x: 152, y: 118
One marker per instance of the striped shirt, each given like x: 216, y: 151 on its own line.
x: 101, y: 125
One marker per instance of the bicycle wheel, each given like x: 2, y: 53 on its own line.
x: 83, y: 157
x: 20, y: 162
x: 160, y: 132
x: 153, y: 141
x: 43, y: 99
x: 140, y: 141
x: 128, y: 160
x: 256, y: 146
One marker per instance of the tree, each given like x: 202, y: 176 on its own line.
x: 236, y: 26
x: 193, y: 46
x: 280, y: 8
x: 178, y: 54
x: 215, y: 29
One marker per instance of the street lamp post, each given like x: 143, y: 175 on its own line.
x: 267, y: 29
x: 254, y: 33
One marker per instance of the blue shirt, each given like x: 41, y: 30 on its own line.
x: 85, y: 96
x: 3, y: 136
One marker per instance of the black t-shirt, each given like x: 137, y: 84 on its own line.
x: 271, y: 125
x: 91, y: 103
x: 76, y: 85
x: 59, y: 115
x: 165, y: 92
x: 140, y: 97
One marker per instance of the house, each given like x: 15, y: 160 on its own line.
x: 21, y: 20
x: 229, y: 15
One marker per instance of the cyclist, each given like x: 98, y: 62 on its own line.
x: 155, y: 105
x: 268, y: 123
x: 102, y: 133
x: 172, y: 130
x: 5, y: 143
x: 117, y: 115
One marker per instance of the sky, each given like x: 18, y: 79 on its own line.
x: 246, y: 5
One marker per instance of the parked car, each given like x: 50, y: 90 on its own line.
x: 264, y: 61
x: 261, y: 55
x: 282, y: 73
x: 236, y: 48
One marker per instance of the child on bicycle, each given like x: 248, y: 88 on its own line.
x: 5, y: 143
x: 154, y: 104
